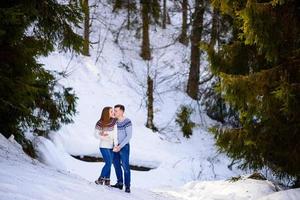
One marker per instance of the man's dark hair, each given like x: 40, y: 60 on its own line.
x: 120, y: 106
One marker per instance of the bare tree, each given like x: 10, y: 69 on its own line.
x: 183, y: 36
x: 165, y: 15
x: 150, y: 99
x: 145, y: 51
x: 86, y: 34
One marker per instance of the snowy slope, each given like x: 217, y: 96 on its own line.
x: 184, y: 168
x: 177, y: 160
x: 22, y: 178
x: 245, y: 189
x: 293, y: 194
x: 99, y: 81
x: 225, y: 190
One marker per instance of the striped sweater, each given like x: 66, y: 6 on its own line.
x: 124, y: 132
x: 111, y: 139
x: 108, y: 141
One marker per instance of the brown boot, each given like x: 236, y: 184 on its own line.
x: 100, y: 181
x: 107, y: 182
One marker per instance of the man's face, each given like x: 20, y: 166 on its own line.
x: 118, y: 112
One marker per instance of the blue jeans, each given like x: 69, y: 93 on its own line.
x: 107, y: 155
x: 121, y: 158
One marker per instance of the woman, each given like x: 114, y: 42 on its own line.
x: 106, y: 131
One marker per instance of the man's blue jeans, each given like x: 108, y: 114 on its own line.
x: 121, y: 158
x: 107, y: 155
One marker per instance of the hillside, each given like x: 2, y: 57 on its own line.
x: 114, y: 73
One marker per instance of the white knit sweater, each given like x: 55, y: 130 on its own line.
x: 108, y: 141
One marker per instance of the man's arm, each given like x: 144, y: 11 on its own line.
x: 128, y: 130
x: 115, y: 136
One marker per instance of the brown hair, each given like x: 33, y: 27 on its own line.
x: 105, y: 118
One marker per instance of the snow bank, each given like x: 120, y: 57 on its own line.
x: 248, y: 189
x: 292, y: 194
x: 22, y: 178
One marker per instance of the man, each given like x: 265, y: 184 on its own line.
x: 121, y: 152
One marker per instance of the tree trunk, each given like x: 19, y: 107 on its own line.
x: 86, y: 36
x: 197, y: 27
x: 164, y: 17
x: 154, y: 10
x: 214, y: 28
x: 145, y: 52
x: 150, y: 113
x: 128, y: 13
x: 168, y: 18
x: 183, y: 36
x: 130, y: 7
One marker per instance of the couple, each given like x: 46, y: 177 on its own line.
x: 114, y: 131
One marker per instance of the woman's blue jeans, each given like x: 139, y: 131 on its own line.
x: 107, y: 155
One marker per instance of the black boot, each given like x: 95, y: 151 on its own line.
x: 118, y: 185
x: 127, y: 189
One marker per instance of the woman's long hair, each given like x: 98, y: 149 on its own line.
x: 105, y: 120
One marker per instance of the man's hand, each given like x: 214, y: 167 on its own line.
x: 103, y: 133
x: 116, y: 149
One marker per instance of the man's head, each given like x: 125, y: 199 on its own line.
x: 119, y: 110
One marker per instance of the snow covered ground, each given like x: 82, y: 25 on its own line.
x: 22, y: 178
x: 184, y: 168
x: 244, y: 189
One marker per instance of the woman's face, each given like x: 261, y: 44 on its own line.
x: 111, y: 113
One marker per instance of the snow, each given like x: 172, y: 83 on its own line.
x: 183, y: 168
x: 23, y: 178
x: 292, y: 194
x: 176, y: 160
x: 225, y: 190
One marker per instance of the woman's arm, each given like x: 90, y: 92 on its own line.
x: 100, y: 134
x: 97, y: 133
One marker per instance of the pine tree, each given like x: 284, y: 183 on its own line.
x: 30, y: 97
x: 259, y: 67
x: 183, y: 120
